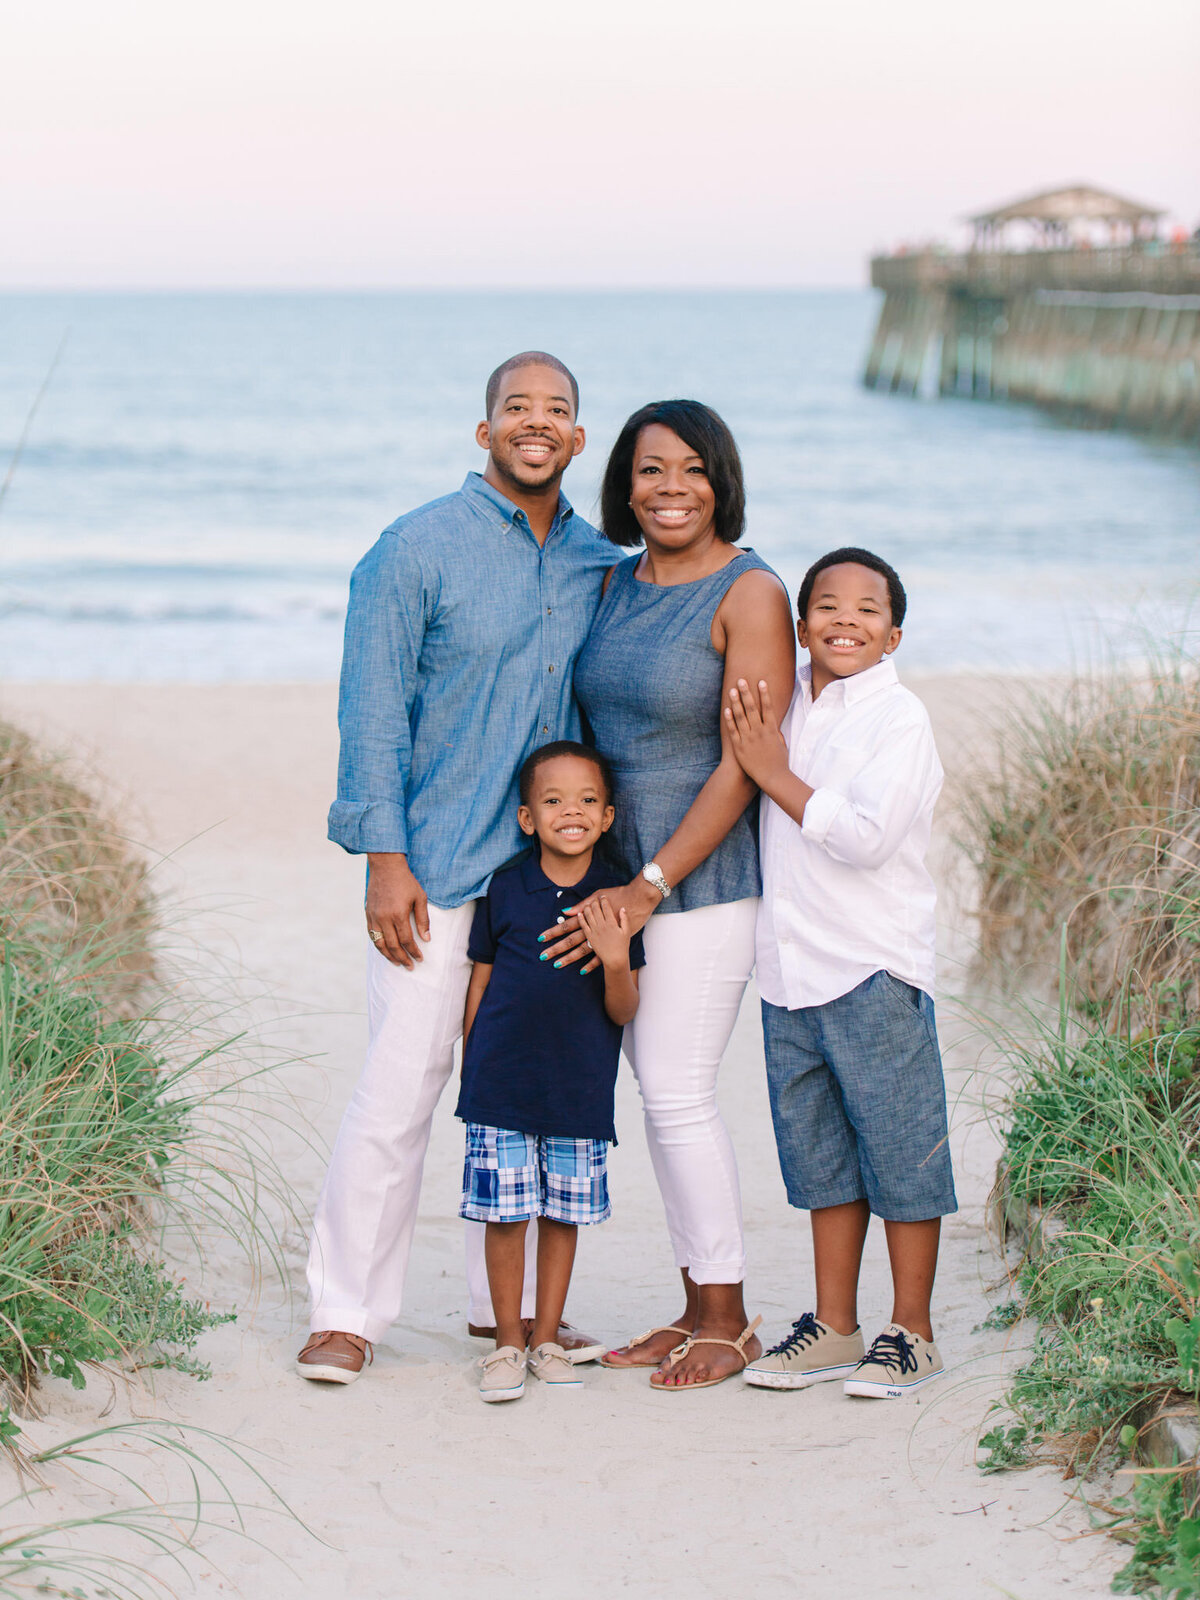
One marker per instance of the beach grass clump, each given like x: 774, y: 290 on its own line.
x: 122, y: 1132
x: 1088, y: 828
x: 1103, y: 1141
x: 70, y: 885
x: 91, y: 1118
x: 97, y: 1102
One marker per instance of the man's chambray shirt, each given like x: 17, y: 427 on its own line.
x: 461, y: 639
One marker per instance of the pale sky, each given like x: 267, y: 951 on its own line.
x: 376, y: 143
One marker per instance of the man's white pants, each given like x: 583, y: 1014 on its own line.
x: 363, y: 1227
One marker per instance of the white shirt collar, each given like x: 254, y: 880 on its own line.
x: 849, y: 691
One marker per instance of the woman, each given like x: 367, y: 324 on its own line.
x: 679, y: 623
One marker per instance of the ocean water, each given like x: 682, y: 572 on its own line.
x: 204, y: 470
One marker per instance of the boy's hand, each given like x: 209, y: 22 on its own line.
x: 608, y: 931
x: 568, y: 942
x: 754, y: 734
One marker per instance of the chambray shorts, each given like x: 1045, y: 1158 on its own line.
x: 859, y: 1102
x: 510, y: 1177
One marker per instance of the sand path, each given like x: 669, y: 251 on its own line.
x: 414, y: 1486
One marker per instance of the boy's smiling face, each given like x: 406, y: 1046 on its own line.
x: 568, y: 806
x: 849, y: 623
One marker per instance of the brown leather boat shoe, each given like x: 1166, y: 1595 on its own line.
x: 332, y: 1357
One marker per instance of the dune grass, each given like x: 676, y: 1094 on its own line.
x: 122, y: 1119
x: 1103, y: 1137
x: 70, y: 885
x: 1090, y: 823
x: 1086, y: 837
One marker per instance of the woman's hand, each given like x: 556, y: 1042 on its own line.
x: 638, y: 900
x: 754, y: 733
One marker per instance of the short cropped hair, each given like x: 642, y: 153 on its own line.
x: 703, y: 431
x: 527, y: 358
x: 564, y: 747
x: 897, y: 599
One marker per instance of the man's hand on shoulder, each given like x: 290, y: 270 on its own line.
x: 397, y: 910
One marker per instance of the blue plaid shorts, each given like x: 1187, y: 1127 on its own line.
x: 510, y: 1177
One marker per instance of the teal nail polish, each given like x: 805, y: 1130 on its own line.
x: 541, y: 938
x: 557, y: 964
x: 545, y: 956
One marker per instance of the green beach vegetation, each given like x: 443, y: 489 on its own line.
x: 114, y: 1131
x: 95, y: 1103
x: 1086, y: 837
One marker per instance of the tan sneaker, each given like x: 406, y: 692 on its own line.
x: 551, y: 1364
x: 503, y: 1374
x: 332, y: 1357
x: 811, y: 1353
x: 897, y: 1363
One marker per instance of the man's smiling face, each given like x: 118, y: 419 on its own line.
x: 531, y: 435
x: 849, y: 623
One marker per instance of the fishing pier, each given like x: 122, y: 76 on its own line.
x: 1105, y: 333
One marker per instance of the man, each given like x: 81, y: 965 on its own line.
x: 464, y: 623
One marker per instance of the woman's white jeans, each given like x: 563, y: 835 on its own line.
x: 364, y: 1222
x: 697, y: 966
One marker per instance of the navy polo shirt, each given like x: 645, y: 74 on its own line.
x: 542, y: 1056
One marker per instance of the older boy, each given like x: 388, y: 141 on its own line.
x: 845, y: 969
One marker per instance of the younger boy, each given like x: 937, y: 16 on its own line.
x: 540, y: 1053
x: 845, y: 970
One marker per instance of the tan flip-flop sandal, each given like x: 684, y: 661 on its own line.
x: 644, y: 1338
x: 680, y: 1351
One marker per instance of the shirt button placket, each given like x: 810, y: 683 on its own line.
x: 548, y: 718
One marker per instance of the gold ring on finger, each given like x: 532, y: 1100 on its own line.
x: 376, y: 934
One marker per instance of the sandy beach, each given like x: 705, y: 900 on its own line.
x: 408, y: 1485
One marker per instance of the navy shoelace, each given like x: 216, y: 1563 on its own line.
x: 892, y: 1350
x: 804, y: 1331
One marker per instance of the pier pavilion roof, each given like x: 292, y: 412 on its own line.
x: 1079, y: 202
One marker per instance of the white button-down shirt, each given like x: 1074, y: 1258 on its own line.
x: 847, y: 893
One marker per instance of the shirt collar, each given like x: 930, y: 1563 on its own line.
x: 476, y: 487
x: 535, y: 881
x: 849, y: 691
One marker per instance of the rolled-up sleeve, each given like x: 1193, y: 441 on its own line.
x: 865, y: 825
x: 385, y: 625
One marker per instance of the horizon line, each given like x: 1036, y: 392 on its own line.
x: 432, y: 288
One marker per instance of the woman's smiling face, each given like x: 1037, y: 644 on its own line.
x: 671, y: 496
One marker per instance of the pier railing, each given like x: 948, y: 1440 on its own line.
x: 1170, y: 270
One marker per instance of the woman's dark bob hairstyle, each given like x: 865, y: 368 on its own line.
x: 703, y: 431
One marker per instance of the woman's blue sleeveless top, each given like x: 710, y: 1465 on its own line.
x: 649, y: 683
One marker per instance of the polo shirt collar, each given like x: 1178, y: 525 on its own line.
x: 477, y: 488
x: 535, y: 881
x: 850, y: 691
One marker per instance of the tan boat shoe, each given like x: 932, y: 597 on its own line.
x: 334, y: 1357
x: 580, y: 1347
x: 551, y: 1365
x: 503, y: 1374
